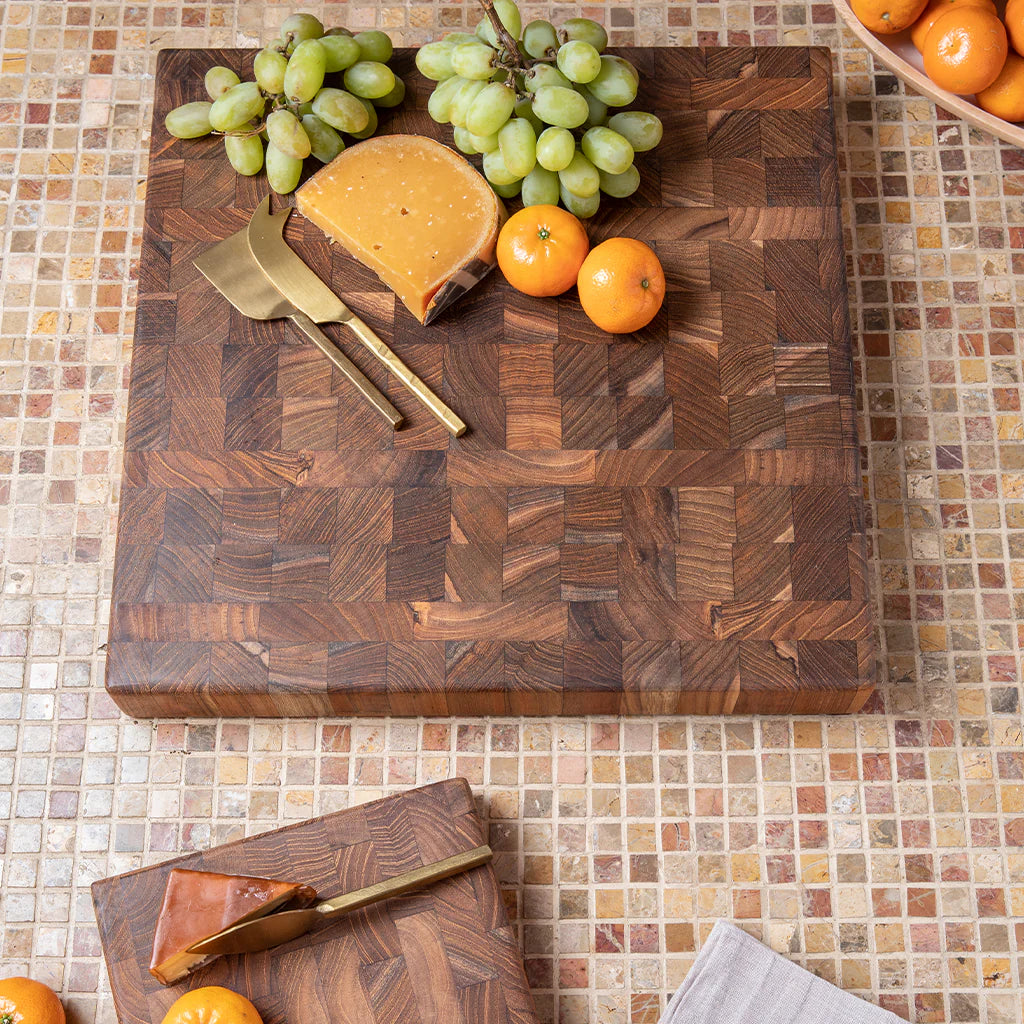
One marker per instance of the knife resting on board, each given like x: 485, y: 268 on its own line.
x: 300, y: 286
x: 230, y: 267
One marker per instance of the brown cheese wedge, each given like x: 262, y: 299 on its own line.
x: 413, y: 211
x: 199, y: 904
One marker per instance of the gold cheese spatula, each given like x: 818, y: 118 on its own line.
x: 285, y: 925
x: 231, y: 268
x: 301, y: 287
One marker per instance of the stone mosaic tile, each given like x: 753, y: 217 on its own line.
x: 884, y: 851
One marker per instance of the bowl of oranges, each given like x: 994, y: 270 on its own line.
x: 966, y: 55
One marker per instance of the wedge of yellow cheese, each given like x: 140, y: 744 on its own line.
x: 413, y: 211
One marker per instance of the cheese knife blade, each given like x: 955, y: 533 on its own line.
x: 284, y: 925
x: 229, y: 266
x: 287, y: 271
x: 303, y: 288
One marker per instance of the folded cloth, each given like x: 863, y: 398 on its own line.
x: 737, y: 980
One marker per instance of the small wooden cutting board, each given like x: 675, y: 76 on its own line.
x: 665, y: 522
x: 446, y: 955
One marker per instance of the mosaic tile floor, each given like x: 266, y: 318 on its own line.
x: 885, y: 851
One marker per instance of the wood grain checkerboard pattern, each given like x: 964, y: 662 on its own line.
x: 656, y: 523
x: 445, y: 953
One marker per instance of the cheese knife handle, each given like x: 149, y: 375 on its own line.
x: 408, y: 881
x: 440, y: 411
x: 348, y: 368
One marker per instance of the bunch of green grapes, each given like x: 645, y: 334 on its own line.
x: 288, y: 106
x: 541, y: 106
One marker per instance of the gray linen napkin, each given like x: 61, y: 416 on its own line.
x: 737, y: 980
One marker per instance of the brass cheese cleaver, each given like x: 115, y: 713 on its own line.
x: 300, y: 286
x: 285, y: 925
x: 229, y: 266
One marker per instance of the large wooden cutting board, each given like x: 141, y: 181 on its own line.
x: 446, y: 955
x: 662, y: 522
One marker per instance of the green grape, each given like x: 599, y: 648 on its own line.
x: 434, y: 61
x: 394, y: 97
x: 490, y: 109
x: 509, y: 191
x: 540, y: 39
x: 280, y: 46
x: 495, y: 170
x: 484, y: 143
x: 338, y: 30
x: 616, y: 83
x: 463, y: 99
x: 473, y: 60
x: 598, y: 111
x: 324, y: 142
x: 508, y: 15
x: 541, y: 75
x: 579, y: 206
x: 555, y: 148
x: 586, y: 30
x: 245, y: 153
x: 287, y: 134
x: 562, y: 107
x: 371, y: 120
x: 369, y: 79
x: 581, y: 176
x: 374, y: 45
x: 304, y: 76
x: 524, y: 109
x: 518, y: 144
x: 305, y: 108
x: 578, y: 61
x: 607, y: 150
x: 239, y: 105
x: 440, y: 102
x: 540, y: 187
x: 269, y: 67
x: 218, y: 80
x: 283, y: 171
x: 341, y: 51
x: 189, y: 121
x: 341, y: 110
x: 643, y: 130
x: 620, y: 185
x: 464, y: 142
x: 459, y: 37
x: 297, y: 27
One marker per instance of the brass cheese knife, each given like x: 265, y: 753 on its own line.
x: 229, y: 266
x: 285, y: 925
x: 300, y: 286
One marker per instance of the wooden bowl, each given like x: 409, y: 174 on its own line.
x: 901, y: 57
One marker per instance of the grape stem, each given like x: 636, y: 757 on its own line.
x: 239, y: 134
x: 504, y: 36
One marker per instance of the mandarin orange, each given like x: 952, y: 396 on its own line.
x: 965, y: 50
x: 212, y: 1004
x: 541, y: 249
x: 987, y: 4
x: 24, y: 1001
x: 621, y: 285
x: 1013, y: 19
x: 1005, y: 96
x: 935, y: 9
x: 887, y: 16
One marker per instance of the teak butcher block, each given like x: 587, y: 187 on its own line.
x: 445, y: 955
x: 662, y: 522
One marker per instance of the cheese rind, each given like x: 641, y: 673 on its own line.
x: 415, y: 212
x: 198, y: 904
